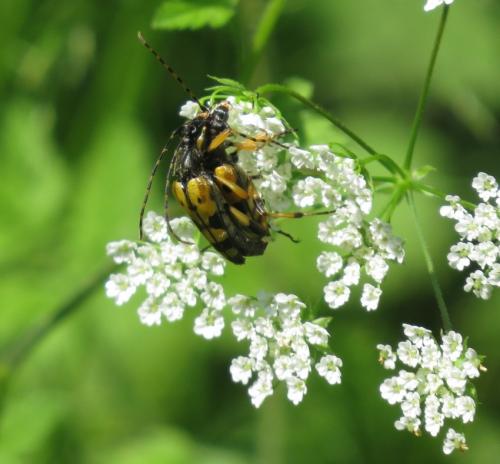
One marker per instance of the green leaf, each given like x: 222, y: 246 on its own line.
x: 193, y: 14
x: 422, y: 172
x: 323, y: 321
x: 231, y: 83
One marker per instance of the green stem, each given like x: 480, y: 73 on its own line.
x: 261, y: 36
x: 425, y: 91
x: 12, y: 358
x: 388, y: 210
x: 277, y: 88
x: 443, y: 310
x: 386, y: 162
x: 390, y: 180
x: 439, y: 194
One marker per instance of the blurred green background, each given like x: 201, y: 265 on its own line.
x: 84, y: 111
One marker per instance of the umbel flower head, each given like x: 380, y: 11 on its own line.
x: 434, y: 383
x: 282, y: 347
x: 175, y: 276
x: 479, y: 245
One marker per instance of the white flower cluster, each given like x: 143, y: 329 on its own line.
x: 174, y: 275
x: 435, y: 383
x: 360, y: 248
x: 280, y: 346
x: 431, y: 4
x: 479, y: 232
x: 273, y: 172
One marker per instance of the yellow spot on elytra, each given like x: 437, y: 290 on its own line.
x: 242, y: 218
x: 199, y: 194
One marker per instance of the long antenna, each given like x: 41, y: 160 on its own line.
x: 170, y: 71
x: 150, y: 181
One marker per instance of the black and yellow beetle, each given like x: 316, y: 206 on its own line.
x: 218, y: 195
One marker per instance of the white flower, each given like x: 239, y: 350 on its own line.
x: 213, y: 296
x: 430, y: 353
x: 454, y: 210
x: 436, y: 391
x: 329, y: 368
x: 301, y: 158
x: 258, y: 347
x: 417, y: 335
x: 452, y: 345
x: 186, y: 292
x: 209, y: 324
x: 370, y: 297
x: 411, y: 405
x: 494, y: 275
x: 120, y: 287
x: 150, y: 312
x: 122, y: 251
x: 408, y: 423
x: 170, y: 274
x: 393, y: 390
x: 189, y: 109
x: 408, y: 353
x: 280, y: 346
x: 453, y: 441
x: 486, y: 186
x: 157, y: 284
x: 329, y: 263
x: 471, y: 363
x: 431, y: 4
x: 351, y: 273
x: 155, y: 227
x: 386, y: 356
x: 213, y: 263
x: 296, y: 389
x: 336, y: 294
x: 241, y: 369
x: 173, y: 307
x: 139, y: 271
x: 284, y: 367
x: 466, y: 407
x: 478, y: 284
x: 261, y: 388
x: 434, y: 420
x: 376, y: 268
x: 458, y: 257
x: 479, y: 244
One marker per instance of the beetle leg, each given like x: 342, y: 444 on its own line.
x: 219, y: 139
x: 299, y: 214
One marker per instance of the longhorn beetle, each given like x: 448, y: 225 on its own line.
x: 217, y: 194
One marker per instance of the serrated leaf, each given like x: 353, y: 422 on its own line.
x: 193, y: 14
